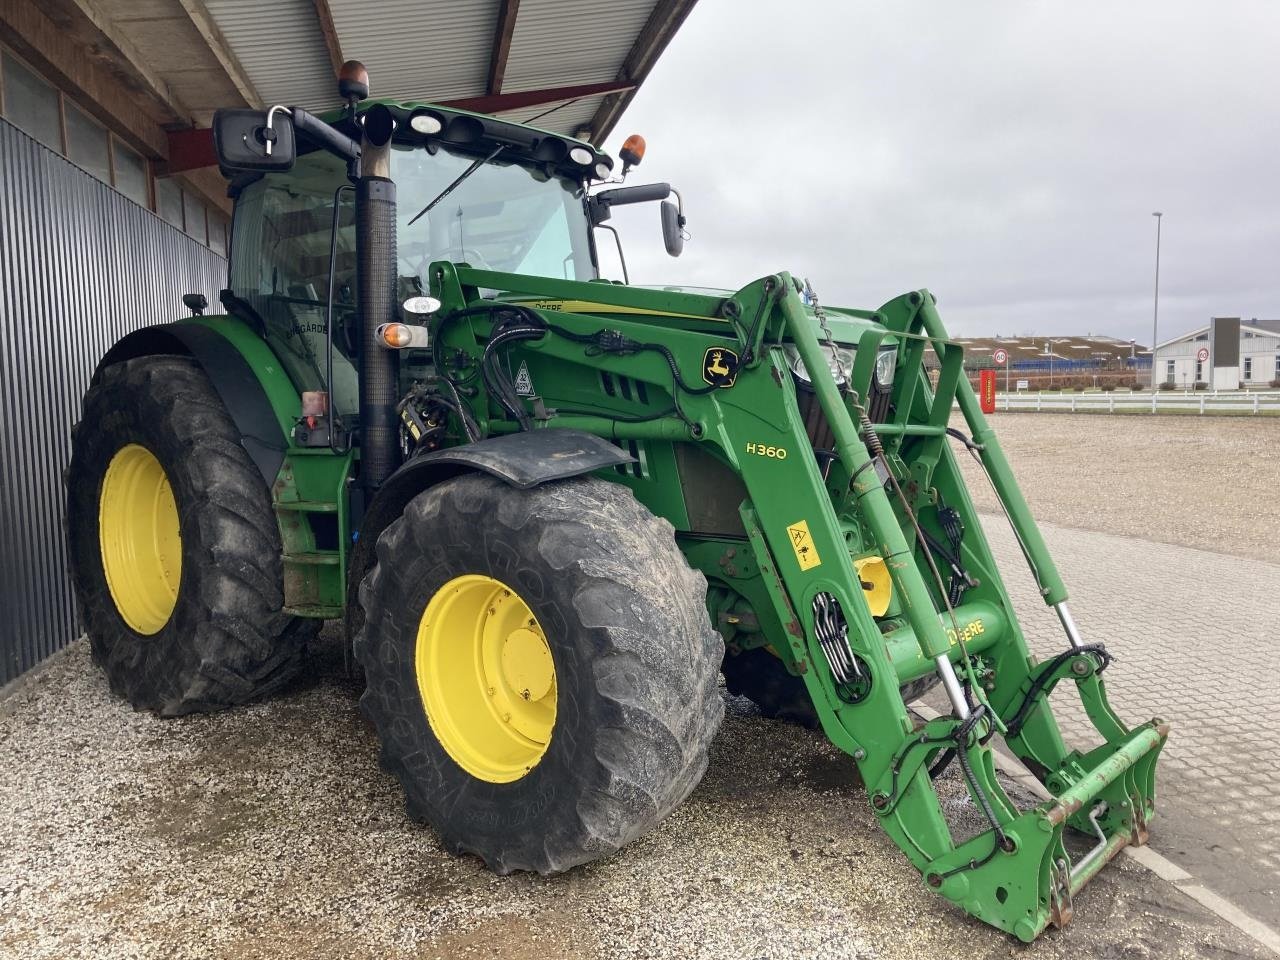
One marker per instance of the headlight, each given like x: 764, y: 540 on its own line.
x: 845, y: 355
x: 886, y: 364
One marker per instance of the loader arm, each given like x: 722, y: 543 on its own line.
x: 702, y: 393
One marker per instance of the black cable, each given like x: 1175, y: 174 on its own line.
x: 1000, y: 840
x: 328, y: 320
x: 603, y: 341
x: 469, y: 425
x: 611, y: 341
x: 1014, y: 726
x: 969, y: 444
x: 892, y: 795
x: 496, y: 380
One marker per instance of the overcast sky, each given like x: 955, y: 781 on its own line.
x: 1006, y: 155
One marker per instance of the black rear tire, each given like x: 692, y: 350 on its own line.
x: 760, y: 677
x: 636, y: 666
x: 227, y: 640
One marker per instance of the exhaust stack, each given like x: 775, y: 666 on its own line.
x: 376, y: 282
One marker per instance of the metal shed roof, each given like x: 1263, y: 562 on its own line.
x: 516, y: 58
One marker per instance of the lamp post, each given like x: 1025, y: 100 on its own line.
x: 1048, y: 349
x: 1155, y: 309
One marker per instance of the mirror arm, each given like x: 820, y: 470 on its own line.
x: 621, y: 258
x: 320, y: 133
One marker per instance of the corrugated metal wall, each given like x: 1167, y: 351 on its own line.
x: 80, y: 266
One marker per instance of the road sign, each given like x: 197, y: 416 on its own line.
x: 1023, y: 384
x: 1202, y: 354
x: 1001, y: 357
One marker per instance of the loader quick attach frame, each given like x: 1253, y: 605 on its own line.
x: 790, y: 576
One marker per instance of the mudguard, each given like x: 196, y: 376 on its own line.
x: 243, y: 371
x: 523, y: 460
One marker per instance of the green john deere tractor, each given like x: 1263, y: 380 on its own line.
x: 551, y: 509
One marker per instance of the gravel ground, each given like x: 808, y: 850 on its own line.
x: 271, y: 832
x: 1194, y: 481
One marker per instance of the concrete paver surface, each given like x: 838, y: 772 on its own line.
x: 1196, y: 640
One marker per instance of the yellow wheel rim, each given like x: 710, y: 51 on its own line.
x: 139, y: 537
x: 487, y: 679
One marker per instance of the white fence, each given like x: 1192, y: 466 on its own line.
x: 1233, y: 402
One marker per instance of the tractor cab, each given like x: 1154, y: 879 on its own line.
x: 470, y: 189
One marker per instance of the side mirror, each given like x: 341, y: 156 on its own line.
x: 253, y: 141
x: 672, y: 228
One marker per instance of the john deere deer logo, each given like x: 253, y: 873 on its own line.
x: 719, y: 366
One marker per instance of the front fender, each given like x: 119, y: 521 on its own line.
x: 523, y: 460
x: 259, y: 396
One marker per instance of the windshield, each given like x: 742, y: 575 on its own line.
x: 503, y: 217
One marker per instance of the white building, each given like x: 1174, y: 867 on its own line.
x: 1224, y: 354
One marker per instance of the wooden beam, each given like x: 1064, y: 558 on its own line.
x: 657, y: 32
x: 502, y: 35
x: 535, y: 98
x: 330, y: 33
x: 129, y: 58
x: 54, y: 50
x: 218, y: 46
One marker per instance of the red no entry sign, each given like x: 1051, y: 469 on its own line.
x: 1001, y: 357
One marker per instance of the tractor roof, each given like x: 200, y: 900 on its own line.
x: 481, y: 133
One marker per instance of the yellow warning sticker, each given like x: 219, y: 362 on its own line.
x: 802, y: 544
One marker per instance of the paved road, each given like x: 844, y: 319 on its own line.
x: 1197, y: 641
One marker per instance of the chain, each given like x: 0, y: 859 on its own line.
x: 842, y: 377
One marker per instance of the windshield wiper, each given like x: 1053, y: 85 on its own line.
x: 479, y: 162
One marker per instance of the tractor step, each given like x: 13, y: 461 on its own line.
x: 307, y: 506
x: 315, y: 612
x: 331, y: 559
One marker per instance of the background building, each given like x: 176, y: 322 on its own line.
x: 1224, y: 354
x: 111, y: 208
x: 1055, y: 362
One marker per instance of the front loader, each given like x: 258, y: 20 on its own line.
x: 551, y: 508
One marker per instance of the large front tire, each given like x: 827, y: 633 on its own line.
x: 175, y: 553
x: 541, y: 670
